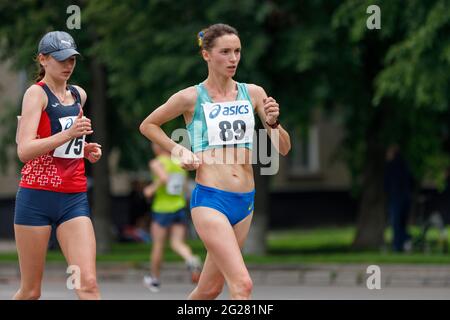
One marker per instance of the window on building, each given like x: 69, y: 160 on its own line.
x: 305, y: 151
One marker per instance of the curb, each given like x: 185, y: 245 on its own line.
x: 431, y: 276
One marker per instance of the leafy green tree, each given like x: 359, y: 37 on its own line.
x: 406, y: 97
x: 388, y: 85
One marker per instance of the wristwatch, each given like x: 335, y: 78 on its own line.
x: 274, y: 125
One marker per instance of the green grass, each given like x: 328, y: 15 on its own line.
x: 322, y: 245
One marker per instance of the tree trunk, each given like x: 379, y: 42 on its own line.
x: 257, y: 238
x: 101, y: 191
x: 372, y: 218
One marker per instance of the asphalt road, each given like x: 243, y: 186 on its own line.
x: 134, y: 290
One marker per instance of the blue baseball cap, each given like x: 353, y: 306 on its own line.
x: 59, y: 44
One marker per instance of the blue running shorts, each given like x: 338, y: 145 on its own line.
x: 42, y: 208
x: 236, y: 206
x: 167, y: 219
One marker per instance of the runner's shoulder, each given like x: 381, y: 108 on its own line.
x: 255, y: 90
x: 83, y: 94
x: 187, y: 96
x: 36, y: 92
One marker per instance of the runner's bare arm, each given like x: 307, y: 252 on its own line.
x: 268, y: 106
x: 92, y: 150
x: 158, y: 170
x: 178, y: 104
x: 83, y: 95
x: 28, y: 145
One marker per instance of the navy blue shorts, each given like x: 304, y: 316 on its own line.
x: 42, y: 208
x: 167, y: 219
x: 236, y: 206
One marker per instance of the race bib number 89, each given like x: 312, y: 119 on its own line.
x: 229, y: 122
x: 72, y: 149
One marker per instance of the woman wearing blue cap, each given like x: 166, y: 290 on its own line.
x: 219, y: 116
x: 52, y: 189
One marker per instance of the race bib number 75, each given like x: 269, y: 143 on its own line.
x: 72, y: 149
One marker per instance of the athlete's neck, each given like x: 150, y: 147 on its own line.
x: 58, y: 86
x: 220, y: 85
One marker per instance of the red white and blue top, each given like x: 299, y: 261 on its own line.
x: 62, y: 169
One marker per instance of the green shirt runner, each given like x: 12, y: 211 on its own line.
x: 170, y: 197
